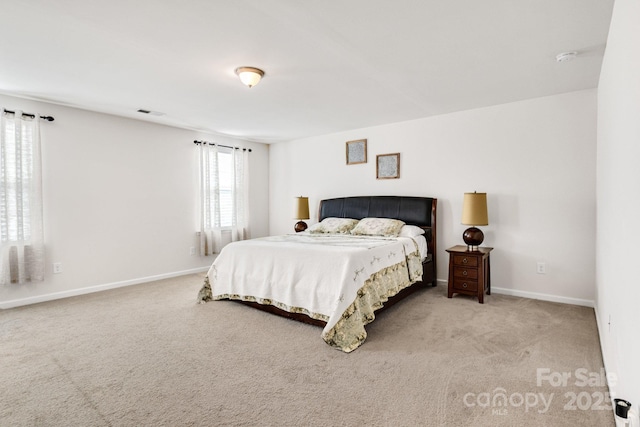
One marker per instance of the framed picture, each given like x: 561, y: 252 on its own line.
x: 388, y: 166
x: 356, y: 152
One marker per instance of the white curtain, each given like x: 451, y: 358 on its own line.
x: 224, y: 192
x: 21, y: 233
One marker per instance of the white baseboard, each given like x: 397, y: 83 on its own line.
x: 599, y: 326
x: 114, y: 285
x: 535, y: 295
x: 544, y: 297
x: 82, y: 291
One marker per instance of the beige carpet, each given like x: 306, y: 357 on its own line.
x: 148, y: 355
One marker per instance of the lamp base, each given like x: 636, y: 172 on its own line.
x: 473, y: 236
x: 300, y: 226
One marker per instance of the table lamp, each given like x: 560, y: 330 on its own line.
x: 301, y: 212
x: 474, y: 212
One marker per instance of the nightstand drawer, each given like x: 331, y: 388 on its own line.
x: 465, y: 273
x: 471, y: 261
x: 465, y: 285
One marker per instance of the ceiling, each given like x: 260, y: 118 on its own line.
x: 330, y: 65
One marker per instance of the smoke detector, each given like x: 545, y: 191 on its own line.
x: 566, y: 56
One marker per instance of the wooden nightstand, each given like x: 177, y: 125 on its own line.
x: 469, y: 272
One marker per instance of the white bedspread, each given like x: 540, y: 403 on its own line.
x: 319, y: 275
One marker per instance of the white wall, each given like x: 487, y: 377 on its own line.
x: 120, y: 201
x: 618, y: 178
x: 535, y: 159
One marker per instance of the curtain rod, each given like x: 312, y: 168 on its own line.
x: 33, y: 116
x: 220, y: 145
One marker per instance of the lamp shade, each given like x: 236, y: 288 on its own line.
x: 474, y: 209
x: 301, y: 208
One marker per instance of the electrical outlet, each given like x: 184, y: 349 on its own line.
x: 192, y: 251
x: 541, y: 268
x: 57, y: 267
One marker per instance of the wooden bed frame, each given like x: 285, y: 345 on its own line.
x: 419, y: 211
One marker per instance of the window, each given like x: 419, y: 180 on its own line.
x: 21, y: 236
x: 225, y: 166
x: 223, y: 196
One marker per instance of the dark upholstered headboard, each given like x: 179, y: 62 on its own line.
x: 412, y: 210
x: 420, y: 211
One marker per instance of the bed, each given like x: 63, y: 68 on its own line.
x: 334, y: 280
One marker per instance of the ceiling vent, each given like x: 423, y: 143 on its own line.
x: 149, y: 112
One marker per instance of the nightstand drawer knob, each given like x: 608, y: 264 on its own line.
x: 464, y: 273
x: 464, y: 260
x: 464, y: 285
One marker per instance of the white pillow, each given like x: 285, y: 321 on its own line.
x: 334, y: 225
x: 410, y: 231
x: 378, y: 227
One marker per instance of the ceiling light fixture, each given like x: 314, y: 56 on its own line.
x: 566, y: 56
x: 250, y: 76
